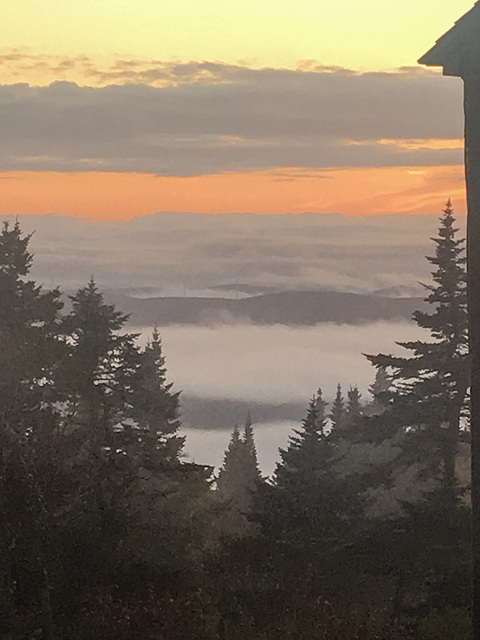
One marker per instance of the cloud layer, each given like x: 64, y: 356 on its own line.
x: 277, y: 363
x: 169, y: 253
x: 209, y: 118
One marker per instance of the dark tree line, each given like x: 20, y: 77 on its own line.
x: 95, y: 499
x: 106, y: 531
x: 366, y: 510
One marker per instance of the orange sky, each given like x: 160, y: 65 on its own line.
x: 94, y: 44
x: 121, y: 196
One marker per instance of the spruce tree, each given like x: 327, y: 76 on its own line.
x: 404, y: 450
x: 29, y: 318
x: 430, y: 386
x: 230, y: 475
x: 299, y: 504
x: 239, y: 476
x: 31, y: 488
x: 311, y: 508
x: 302, y: 462
x: 252, y: 474
x: 354, y: 407
x: 338, y: 412
x: 379, y: 390
x: 101, y: 368
x: 381, y: 384
x: 85, y: 507
x: 154, y: 408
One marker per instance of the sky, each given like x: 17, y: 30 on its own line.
x: 115, y: 109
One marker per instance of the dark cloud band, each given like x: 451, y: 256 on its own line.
x: 223, y: 118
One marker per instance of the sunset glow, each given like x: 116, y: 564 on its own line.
x: 112, y: 110
x: 122, y: 196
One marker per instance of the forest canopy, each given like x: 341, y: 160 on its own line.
x: 108, y: 531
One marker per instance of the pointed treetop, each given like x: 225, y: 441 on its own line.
x: 15, y: 258
x: 458, y: 50
x: 240, y: 473
x: 235, y: 437
x: 248, y: 430
x: 249, y: 443
x: 381, y: 383
x: 338, y: 412
x: 353, y: 400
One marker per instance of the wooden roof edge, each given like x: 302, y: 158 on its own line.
x: 454, y: 42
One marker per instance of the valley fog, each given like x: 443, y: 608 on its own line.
x: 269, y: 365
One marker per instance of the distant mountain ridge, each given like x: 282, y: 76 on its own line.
x: 305, y: 308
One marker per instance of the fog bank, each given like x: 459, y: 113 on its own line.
x: 276, y: 364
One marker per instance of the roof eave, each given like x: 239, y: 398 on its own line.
x: 431, y: 58
x: 449, y: 50
x: 449, y: 68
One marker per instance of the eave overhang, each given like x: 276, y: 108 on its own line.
x: 459, y: 48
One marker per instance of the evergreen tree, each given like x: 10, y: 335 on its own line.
x: 379, y: 391
x: 31, y: 490
x: 239, y: 476
x: 100, y: 371
x: 430, y: 386
x: 416, y: 488
x: 231, y: 473
x: 381, y: 384
x: 310, y: 509
x: 338, y: 412
x: 252, y: 474
x: 303, y: 461
x: 94, y: 498
x: 154, y: 408
x: 29, y: 319
x: 354, y: 407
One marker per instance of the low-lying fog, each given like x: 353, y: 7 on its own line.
x: 170, y: 254
x: 270, y: 365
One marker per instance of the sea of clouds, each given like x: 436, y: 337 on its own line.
x: 193, y: 254
x: 270, y: 365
